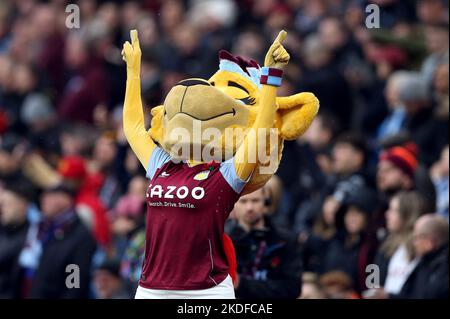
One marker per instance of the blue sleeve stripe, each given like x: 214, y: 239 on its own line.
x: 158, y: 158
x: 229, y: 173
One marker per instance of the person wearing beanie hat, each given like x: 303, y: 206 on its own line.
x: 422, y: 180
x: 402, y: 158
x: 396, y: 168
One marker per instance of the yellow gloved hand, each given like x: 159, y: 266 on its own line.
x: 277, y: 56
x: 131, y: 54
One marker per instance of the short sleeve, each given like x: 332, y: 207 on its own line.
x: 228, y: 171
x: 158, y: 158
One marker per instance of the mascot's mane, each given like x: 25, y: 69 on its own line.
x: 248, y: 69
x: 242, y: 62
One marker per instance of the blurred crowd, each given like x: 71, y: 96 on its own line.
x: 367, y: 184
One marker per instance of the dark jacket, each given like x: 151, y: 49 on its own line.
x: 269, y: 264
x: 315, y: 250
x: 12, y: 239
x: 73, y: 246
x: 351, y: 259
x: 429, y: 280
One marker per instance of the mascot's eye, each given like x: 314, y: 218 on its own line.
x: 165, y: 112
x: 247, y: 100
x: 212, y: 83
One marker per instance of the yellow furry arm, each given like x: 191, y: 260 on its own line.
x: 244, y: 165
x: 276, y: 57
x: 133, y: 115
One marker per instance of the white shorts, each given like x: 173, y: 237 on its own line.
x: 224, y: 290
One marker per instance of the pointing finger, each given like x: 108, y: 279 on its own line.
x: 134, y: 37
x: 281, y: 36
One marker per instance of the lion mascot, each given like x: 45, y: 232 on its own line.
x: 211, y: 141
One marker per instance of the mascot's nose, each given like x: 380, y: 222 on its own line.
x: 192, y: 82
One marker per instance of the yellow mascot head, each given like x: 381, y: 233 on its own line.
x: 228, y: 100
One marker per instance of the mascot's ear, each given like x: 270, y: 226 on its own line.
x: 157, y: 129
x: 297, y: 113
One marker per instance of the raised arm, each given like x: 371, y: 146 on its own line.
x: 276, y: 58
x: 133, y: 115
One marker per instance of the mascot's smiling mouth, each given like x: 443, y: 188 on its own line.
x: 233, y: 111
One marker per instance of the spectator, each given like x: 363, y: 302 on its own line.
x: 396, y: 168
x: 61, y: 240
x: 352, y: 248
x: 269, y: 265
x: 349, y: 171
x: 347, y: 55
x: 425, y: 130
x: 311, y: 288
x: 349, y: 158
x: 137, y: 187
x: 394, y: 122
x: 396, y: 258
x: 15, y: 202
x: 50, y: 56
x: 349, y: 166
x: 436, y: 39
x: 429, y: 280
x: 422, y: 181
x: 129, y: 236
x: 316, y: 242
x: 38, y: 114
x: 88, y: 85
x: 74, y: 139
x: 108, y: 283
x: 321, y: 132
x: 103, y: 161
x: 323, y: 78
x: 312, y: 149
x: 250, y: 43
